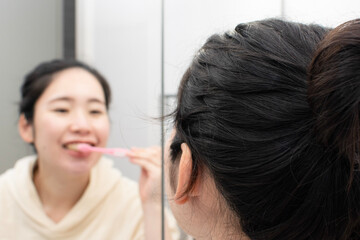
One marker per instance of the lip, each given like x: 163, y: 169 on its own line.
x: 64, y: 145
x: 78, y: 154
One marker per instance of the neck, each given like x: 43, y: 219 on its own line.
x: 216, y: 219
x: 222, y: 228
x: 58, y: 192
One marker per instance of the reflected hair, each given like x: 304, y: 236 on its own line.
x: 281, y: 159
x: 40, y: 78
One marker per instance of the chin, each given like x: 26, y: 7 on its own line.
x: 80, y: 167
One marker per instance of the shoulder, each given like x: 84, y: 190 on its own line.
x: 129, y: 185
x: 122, y: 204
x: 22, y: 168
x: 13, y: 185
x: 129, y: 190
x: 121, y: 188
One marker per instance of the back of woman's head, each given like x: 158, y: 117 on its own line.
x: 243, y: 111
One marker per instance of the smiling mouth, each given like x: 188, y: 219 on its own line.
x: 73, y: 145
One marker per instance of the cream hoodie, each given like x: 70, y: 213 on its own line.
x: 110, y: 207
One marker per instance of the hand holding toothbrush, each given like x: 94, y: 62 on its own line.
x: 149, y: 159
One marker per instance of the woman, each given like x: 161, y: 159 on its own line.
x: 250, y: 157
x: 61, y: 193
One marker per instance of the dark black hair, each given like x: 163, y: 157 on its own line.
x: 40, y: 78
x: 243, y: 111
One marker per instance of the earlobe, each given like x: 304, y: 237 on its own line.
x: 25, y: 129
x: 184, y: 176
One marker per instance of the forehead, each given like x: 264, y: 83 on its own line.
x: 76, y: 83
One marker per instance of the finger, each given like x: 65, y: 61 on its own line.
x: 150, y: 150
x: 157, y: 148
x: 150, y: 167
x: 155, y: 162
x: 149, y: 154
x: 140, y: 152
x: 144, y: 153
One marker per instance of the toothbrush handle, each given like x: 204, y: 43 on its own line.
x: 100, y: 150
x: 120, y: 152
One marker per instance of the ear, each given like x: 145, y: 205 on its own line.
x: 25, y: 129
x: 184, y: 176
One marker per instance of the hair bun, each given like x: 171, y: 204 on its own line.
x: 334, y: 89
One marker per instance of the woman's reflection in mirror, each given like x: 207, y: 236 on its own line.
x: 61, y: 193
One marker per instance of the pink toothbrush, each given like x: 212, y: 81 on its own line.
x: 83, y: 147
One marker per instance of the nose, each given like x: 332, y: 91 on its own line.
x: 80, y: 123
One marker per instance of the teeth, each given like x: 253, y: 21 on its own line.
x: 72, y: 146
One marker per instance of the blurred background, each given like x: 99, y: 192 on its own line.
x: 122, y: 39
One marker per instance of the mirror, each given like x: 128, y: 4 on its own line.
x: 124, y: 41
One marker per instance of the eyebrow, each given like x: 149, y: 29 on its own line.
x: 69, y: 99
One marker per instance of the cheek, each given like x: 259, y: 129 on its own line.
x: 46, y: 134
x: 167, y: 165
x: 103, y: 128
x: 168, y: 189
x: 170, y: 168
x: 170, y: 176
x: 47, y: 127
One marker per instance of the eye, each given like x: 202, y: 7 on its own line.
x: 61, y: 110
x: 96, y: 112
